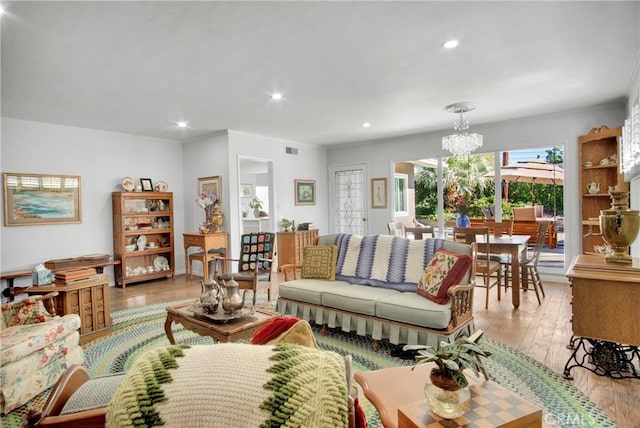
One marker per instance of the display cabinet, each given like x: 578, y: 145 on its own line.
x: 599, y: 170
x: 143, y: 236
x: 291, y: 245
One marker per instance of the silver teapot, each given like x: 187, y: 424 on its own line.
x: 232, y: 301
x: 210, y: 295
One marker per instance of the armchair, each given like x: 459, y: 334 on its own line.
x: 254, y: 265
x: 36, y: 347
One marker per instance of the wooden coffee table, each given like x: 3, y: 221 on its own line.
x: 398, y: 395
x: 230, y: 331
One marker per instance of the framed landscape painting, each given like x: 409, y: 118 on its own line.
x: 37, y: 199
x: 305, y: 192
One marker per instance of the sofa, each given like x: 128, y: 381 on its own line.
x: 374, y: 287
x: 36, y: 347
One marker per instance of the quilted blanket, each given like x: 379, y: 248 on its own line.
x: 383, y: 260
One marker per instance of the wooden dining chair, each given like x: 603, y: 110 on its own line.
x: 501, y: 228
x: 485, y: 266
x: 530, y: 264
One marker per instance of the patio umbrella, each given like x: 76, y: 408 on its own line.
x: 535, y: 171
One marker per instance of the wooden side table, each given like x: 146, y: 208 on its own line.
x: 206, y: 241
x: 89, y: 299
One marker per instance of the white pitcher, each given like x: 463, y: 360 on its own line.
x: 593, y: 187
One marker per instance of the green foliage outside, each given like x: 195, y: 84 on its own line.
x: 464, y: 177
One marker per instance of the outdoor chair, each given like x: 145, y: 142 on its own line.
x: 485, y: 266
x: 530, y: 264
x: 524, y: 213
x: 254, y: 265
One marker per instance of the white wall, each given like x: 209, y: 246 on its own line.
x: 101, y: 159
x: 633, y: 98
x: 535, y: 131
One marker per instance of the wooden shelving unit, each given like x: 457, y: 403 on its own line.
x: 143, y: 217
x: 600, y: 143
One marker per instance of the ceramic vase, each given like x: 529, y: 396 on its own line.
x: 463, y: 220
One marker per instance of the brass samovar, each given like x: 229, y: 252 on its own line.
x: 619, y: 226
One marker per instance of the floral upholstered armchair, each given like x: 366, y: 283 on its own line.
x: 36, y: 347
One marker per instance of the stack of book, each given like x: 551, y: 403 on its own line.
x: 70, y: 276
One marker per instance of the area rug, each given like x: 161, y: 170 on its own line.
x: 138, y: 330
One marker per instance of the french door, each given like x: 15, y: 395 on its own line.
x: 349, y: 199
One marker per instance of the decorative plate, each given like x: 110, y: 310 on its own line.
x: 142, y: 242
x: 128, y: 184
x: 160, y: 262
x: 161, y: 186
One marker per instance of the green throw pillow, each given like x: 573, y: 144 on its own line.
x: 319, y: 262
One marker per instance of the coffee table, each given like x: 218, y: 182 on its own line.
x: 231, y: 331
x: 398, y: 395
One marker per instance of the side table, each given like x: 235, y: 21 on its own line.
x: 89, y: 299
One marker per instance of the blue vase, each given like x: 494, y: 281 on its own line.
x: 463, y: 220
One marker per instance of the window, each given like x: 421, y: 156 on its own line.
x: 400, y: 193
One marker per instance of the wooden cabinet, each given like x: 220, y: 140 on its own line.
x: 599, y: 169
x: 143, y: 236
x: 89, y: 299
x: 291, y: 245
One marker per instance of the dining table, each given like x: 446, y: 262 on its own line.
x: 515, y: 246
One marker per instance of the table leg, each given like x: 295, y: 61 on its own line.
x: 205, y: 263
x: 515, y: 276
x: 186, y: 263
x: 167, y: 329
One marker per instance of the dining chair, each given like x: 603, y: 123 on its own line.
x: 485, y: 266
x: 396, y: 229
x: 254, y: 265
x: 530, y: 265
x: 501, y: 228
x: 203, y: 258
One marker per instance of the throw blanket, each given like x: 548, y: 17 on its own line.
x: 383, y: 260
x: 232, y: 385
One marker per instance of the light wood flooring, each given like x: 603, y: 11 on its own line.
x: 540, y: 331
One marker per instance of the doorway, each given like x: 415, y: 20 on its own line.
x: 350, y: 199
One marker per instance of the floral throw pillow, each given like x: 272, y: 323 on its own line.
x: 443, y: 271
x: 28, y: 311
x: 319, y: 262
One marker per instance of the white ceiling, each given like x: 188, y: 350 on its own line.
x: 139, y: 67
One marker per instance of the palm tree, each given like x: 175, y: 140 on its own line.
x: 464, y: 176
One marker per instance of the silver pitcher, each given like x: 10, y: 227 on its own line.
x: 210, y: 295
x: 232, y: 301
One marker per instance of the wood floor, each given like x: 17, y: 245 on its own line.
x: 540, y: 331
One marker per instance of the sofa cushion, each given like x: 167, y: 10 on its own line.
x: 443, y: 271
x: 308, y: 290
x: 28, y: 311
x: 319, y: 262
x: 360, y: 299
x: 410, y: 309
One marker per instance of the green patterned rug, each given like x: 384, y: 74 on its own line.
x: 138, y: 330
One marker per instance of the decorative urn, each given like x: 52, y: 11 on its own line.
x: 619, y: 226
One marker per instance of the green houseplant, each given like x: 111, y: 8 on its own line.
x: 447, y: 388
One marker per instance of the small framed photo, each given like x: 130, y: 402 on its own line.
x: 379, y: 193
x: 212, y: 185
x: 305, y: 192
x: 246, y: 190
x: 147, y: 185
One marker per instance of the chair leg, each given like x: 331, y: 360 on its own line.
x: 531, y: 274
x: 539, y: 281
x: 499, y: 281
x: 487, y: 280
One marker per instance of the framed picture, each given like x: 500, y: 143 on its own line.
x: 34, y: 199
x: 378, y: 193
x: 246, y: 190
x: 210, y: 185
x: 305, y: 192
x: 147, y: 185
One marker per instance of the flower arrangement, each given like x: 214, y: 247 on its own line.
x: 206, y: 201
x: 460, y: 205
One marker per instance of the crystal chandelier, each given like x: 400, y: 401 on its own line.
x: 461, y: 143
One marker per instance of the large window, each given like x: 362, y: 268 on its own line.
x: 400, y: 193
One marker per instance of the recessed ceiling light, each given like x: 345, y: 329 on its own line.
x: 451, y: 44
x: 366, y: 125
x: 182, y: 124
x: 276, y: 96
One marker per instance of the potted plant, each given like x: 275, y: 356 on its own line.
x: 256, y: 204
x: 447, y: 388
x: 286, y: 224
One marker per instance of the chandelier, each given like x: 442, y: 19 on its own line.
x: 461, y: 143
